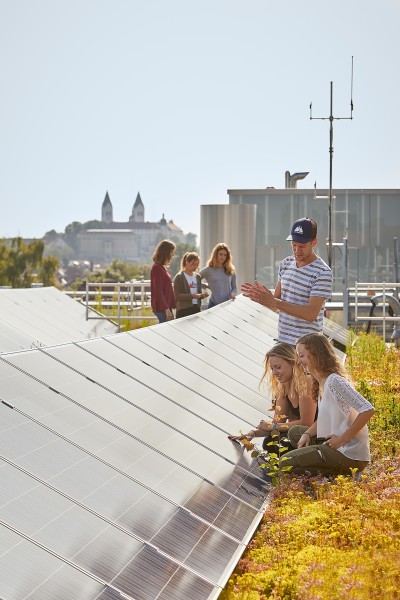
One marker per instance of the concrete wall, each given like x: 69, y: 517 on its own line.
x: 234, y: 225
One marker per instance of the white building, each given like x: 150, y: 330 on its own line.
x: 130, y: 241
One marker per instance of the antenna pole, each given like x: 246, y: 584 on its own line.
x: 330, y: 182
x: 330, y: 197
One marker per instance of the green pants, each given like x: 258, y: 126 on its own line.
x: 317, y: 458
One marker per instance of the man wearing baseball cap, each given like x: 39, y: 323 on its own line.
x: 304, y: 284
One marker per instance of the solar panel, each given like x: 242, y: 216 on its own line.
x: 237, y: 324
x: 260, y: 320
x: 42, y: 468
x: 261, y: 314
x: 133, y: 357
x: 201, y: 447
x: 198, y: 350
x: 13, y: 338
x: 76, y: 480
x: 193, y: 328
x: 28, y: 570
x: 45, y: 316
x: 215, y: 373
x: 116, y: 475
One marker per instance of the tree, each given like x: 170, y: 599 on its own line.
x: 75, y: 228
x: 71, y: 234
x: 191, y: 239
x: 20, y: 263
x: 59, y: 249
x: 123, y: 271
x: 48, y: 270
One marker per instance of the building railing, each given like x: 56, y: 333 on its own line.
x: 131, y: 301
x: 127, y: 301
x: 384, y: 294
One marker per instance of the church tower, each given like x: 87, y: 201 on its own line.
x: 137, y: 211
x: 107, y: 210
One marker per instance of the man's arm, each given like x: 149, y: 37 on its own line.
x: 308, y: 312
x: 259, y: 293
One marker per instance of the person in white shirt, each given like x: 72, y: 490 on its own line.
x: 338, y: 440
x: 187, y: 286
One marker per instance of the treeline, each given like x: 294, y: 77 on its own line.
x: 24, y: 264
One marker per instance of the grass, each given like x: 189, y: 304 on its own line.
x: 340, y: 539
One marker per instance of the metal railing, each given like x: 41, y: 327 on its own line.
x: 131, y: 301
x: 385, y: 294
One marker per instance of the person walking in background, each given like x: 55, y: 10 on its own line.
x: 220, y: 275
x: 294, y: 398
x: 338, y: 440
x: 187, y: 286
x: 304, y: 284
x: 162, y: 293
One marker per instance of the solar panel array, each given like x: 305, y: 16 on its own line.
x: 117, y: 479
x: 34, y: 317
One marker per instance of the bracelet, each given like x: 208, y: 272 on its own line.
x: 275, y: 425
x: 306, y: 433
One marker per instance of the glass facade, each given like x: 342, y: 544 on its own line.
x: 369, y: 219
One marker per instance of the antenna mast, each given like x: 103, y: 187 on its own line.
x: 331, y: 119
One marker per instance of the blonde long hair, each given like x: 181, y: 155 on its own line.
x: 212, y: 261
x: 299, y: 384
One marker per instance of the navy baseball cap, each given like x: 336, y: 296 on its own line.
x: 303, y: 231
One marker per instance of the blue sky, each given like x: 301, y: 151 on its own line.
x: 183, y: 99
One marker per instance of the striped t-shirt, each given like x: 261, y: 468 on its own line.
x: 298, y: 284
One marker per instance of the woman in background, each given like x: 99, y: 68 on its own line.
x: 187, y: 286
x: 162, y: 293
x: 220, y: 275
x: 293, y: 395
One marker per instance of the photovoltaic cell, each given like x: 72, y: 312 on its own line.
x: 53, y: 520
x: 262, y: 315
x: 193, y: 329
x: 196, y: 457
x: 198, y: 351
x: 29, y: 571
x: 248, y: 406
x: 210, y: 372
x: 116, y: 474
x: 237, y: 340
x: 35, y: 317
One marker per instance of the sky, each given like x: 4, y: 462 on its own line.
x: 181, y: 100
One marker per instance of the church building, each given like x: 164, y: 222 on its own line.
x: 130, y: 241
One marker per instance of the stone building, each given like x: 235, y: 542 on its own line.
x: 131, y: 241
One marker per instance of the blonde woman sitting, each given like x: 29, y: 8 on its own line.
x: 293, y: 394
